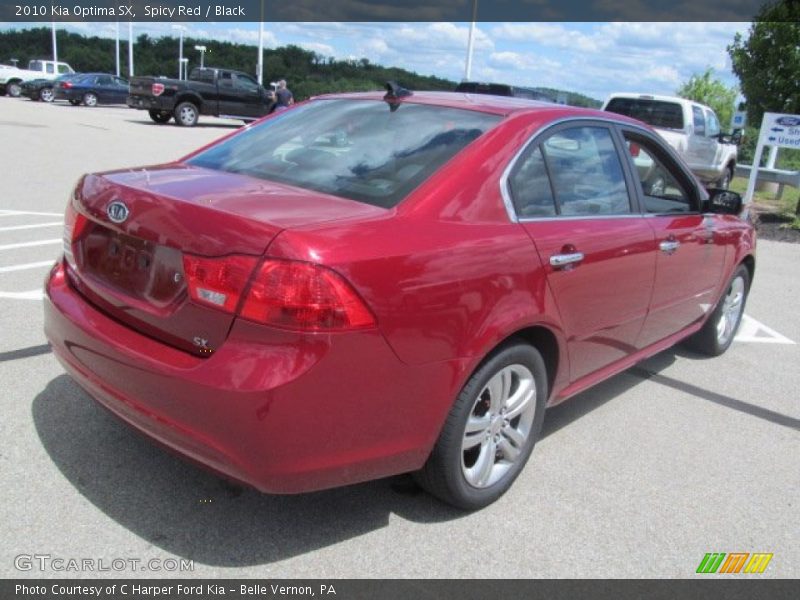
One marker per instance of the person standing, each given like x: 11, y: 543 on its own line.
x: 283, y: 96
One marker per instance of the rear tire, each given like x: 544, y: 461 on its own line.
x: 186, y: 114
x: 490, y: 431
x: 724, y: 182
x: 47, y: 94
x: 159, y: 116
x: 90, y: 99
x: 718, y: 332
x: 13, y: 89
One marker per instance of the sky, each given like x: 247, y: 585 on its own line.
x: 595, y: 59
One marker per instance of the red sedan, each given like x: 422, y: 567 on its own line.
x: 366, y: 285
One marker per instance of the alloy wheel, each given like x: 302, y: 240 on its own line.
x: 731, y: 313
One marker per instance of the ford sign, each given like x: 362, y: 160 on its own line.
x: 117, y: 212
x: 788, y: 121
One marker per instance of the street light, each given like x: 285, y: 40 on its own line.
x: 184, y: 66
x: 202, y: 50
x: 180, y: 28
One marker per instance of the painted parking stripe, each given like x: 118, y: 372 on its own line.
x: 34, y: 226
x: 31, y: 244
x: 8, y: 213
x: 29, y: 295
x: 751, y: 330
x: 26, y: 266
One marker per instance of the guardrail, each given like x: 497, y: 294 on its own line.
x: 780, y: 176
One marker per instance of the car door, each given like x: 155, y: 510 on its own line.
x: 120, y: 90
x: 104, y: 89
x: 690, y: 254
x: 250, y: 97
x: 574, y: 198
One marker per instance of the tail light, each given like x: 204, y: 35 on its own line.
x: 634, y: 149
x: 157, y: 89
x: 75, y: 224
x: 218, y: 282
x: 299, y: 295
x: 66, y: 84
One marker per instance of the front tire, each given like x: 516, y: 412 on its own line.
x: 186, y: 114
x: 90, y: 99
x: 47, y: 95
x: 490, y: 431
x: 718, y: 332
x: 724, y: 182
x: 13, y: 89
x: 159, y: 116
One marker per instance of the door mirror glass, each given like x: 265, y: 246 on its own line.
x: 724, y: 202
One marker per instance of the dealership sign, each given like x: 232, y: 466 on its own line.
x: 778, y: 130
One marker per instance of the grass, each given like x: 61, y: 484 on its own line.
x: 766, y: 201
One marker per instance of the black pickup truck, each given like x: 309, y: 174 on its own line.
x: 215, y: 92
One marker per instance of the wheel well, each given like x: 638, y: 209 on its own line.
x: 750, y: 263
x: 544, y: 341
x: 193, y: 99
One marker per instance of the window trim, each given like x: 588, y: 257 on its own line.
x: 565, y: 123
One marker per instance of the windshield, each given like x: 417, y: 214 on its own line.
x: 358, y: 149
x: 656, y: 113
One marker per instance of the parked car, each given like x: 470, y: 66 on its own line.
x: 365, y: 285
x: 692, y: 129
x: 92, y: 89
x: 216, y: 92
x: 501, y: 89
x: 44, y: 89
x: 11, y: 78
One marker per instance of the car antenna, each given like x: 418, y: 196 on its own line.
x: 394, y: 91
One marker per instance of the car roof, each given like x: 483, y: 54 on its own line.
x: 499, y: 105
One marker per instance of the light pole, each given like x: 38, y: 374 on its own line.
x: 130, y: 49
x: 180, y: 28
x: 55, y: 50
x: 470, y: 40
x: 260, y: 67
x: 184, y: 66
x: 116, y: 49
x: 202, y: 50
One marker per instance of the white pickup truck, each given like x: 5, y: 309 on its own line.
x: 692, y: 129
x: 12, y: 77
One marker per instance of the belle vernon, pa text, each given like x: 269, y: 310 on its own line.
x: 171, y: 591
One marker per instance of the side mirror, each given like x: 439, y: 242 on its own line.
x: 723, y: 202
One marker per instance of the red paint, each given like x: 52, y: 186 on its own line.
x: 419, y: 296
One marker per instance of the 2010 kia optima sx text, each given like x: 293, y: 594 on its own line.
x: 367, y: 285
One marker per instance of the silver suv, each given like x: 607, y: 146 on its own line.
x: 692, y: 129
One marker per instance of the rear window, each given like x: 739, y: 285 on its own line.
x: 657, y: 113
x: 357, y: 149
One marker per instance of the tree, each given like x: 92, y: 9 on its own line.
x: 709, y: 90
x: 768, y: 61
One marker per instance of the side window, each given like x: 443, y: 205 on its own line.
x: 50, y: 68
x: 530, y: 186
x: 103, y: 80
x: 245, y: 83
x: 699, y: 121
x: 226, y: 79
x: 63, y: 69
x: 120, y: 82
x: 663, y: 192
x: 712, y: 124
x: 586, y: 172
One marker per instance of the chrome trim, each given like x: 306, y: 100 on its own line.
x: 506, y: 194
x: 580, y: 217
x: 562, y: 260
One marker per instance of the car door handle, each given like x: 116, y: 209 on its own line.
x: 562, y: 260
x: 669, y: 246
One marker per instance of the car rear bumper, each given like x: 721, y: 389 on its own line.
x: 150, y: 103
x: 284, y: 412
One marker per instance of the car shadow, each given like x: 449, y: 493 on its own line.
x: 194, y: 514
x: 199, y: 125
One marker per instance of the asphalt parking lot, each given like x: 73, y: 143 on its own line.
x: 639, y: 477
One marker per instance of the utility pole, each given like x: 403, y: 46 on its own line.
x: 130, y: 49
x: 470, y: 41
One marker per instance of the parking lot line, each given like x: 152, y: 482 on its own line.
x: 34, y: 226
x: 30, y: 244
x: 29, y: 295
x: 5, y: 212
x: 26, y: 266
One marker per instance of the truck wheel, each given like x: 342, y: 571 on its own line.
x: 725, y: 181
x: 13, y: 89
x: 159, y: 116
x: 186, y: 114
x: 90, y: 99
x: 46, y: 94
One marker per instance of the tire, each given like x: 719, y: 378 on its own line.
x: 718, y: 332
x: 481, y: 451
x: 724, y: 182
x: 186, y: 114
x: 159, y: 116
x: 47, y: 94
x: 13, y: 89
x: 75, y: 102
x: 90, y: 99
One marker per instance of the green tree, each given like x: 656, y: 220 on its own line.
x: 709, y: 90
x: 768, y: 61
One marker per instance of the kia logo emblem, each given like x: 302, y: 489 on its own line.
x: 788, y: 121
x: 117, y: 212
